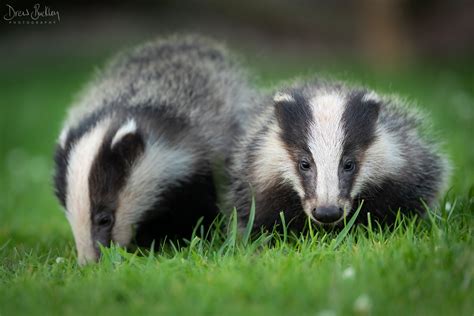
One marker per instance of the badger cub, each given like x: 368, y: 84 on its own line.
x: 134, y: 157
x: 318, y: 149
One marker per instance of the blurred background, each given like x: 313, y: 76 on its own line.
x: 420, y: 49
x: 379, y: 32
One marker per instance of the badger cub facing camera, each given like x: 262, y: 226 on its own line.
x: 318, y: 149
x: 134, y: 157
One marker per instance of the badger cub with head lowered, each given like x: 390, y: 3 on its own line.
x: 320, y: 148
x: 134, y: 157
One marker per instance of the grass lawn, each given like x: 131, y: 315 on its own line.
x: 419, y: 268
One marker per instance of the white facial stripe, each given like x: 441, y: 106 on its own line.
x: 129, y: 127
x: 383, y: 158
x: 325, y: 143
x: 274, y: 162
x: 77, y: 199
x: 156, y: 169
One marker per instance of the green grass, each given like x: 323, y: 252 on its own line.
x: 418, y: 268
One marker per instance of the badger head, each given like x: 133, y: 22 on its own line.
x: 108, y: 175
x: 329, y: 145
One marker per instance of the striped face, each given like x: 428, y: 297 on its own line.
x: 333, y: 149
x: 107, y: 177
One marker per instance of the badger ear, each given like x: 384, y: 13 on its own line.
x: 283, y: 104
x: 128, y: 142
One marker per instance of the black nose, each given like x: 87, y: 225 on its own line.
x: 328, y: 214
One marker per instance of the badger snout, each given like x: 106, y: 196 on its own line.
x: 328, y: 214
x: 91, y: 256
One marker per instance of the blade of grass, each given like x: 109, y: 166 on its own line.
x: 249, y: 227
x: 347, y: 227
x: 285, y: 228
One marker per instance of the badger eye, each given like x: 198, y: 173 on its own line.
x: 304, y: 165
x: 349, y: 166
x: 105, y: 220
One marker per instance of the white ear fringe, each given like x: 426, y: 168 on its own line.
x: 62, y: 138
x: 129, y: 127
x: 281, y: 97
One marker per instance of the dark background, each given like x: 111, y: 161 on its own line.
x: 381, y: 33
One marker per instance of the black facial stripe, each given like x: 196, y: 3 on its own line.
x: 294, y: 118
x: 60, y: 184
x: 359, y: 122
x: 107, y: 177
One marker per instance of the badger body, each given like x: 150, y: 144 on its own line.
x: 319, y: 149
x: 134, y: 158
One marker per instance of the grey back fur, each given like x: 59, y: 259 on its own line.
x: 196, y: 76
